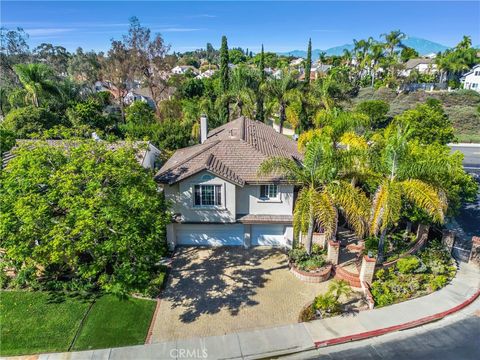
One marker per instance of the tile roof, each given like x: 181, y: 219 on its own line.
x: 140, y: 146
x: 412, y: 63
x: 262, y: 219
x: 233, y: 151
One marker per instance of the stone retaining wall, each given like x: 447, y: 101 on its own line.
x: 312, y: 277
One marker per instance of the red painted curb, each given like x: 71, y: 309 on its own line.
x: 404, y: 326
x: 148, y: 340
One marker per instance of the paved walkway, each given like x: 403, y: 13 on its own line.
x: 299, y: 337
x: 216, y: 291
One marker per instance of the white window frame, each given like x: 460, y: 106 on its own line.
x: 268, y: 198
x: 215, y: 194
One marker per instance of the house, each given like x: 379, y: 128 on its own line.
x: 422, y: 65
x: 183, y: 69
x: 142, y: 94
x: 146, y: 154
x: 206, y: 74
x: 297, y: 62
x: 471, y: 80
x: 217, y: 195
x: 317, y: 71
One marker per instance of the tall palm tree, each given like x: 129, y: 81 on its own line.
x: 375, y: 55
x: 393, y: 40
x: 37, y: 79
x: 244, y: 87
x: 403, y: 180
x: 322, y: 192
x: 280, y: 91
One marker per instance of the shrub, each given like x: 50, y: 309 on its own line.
x: 29, y: 120
x: 408, y: 264
x: 307, y: 314
x: 306, y: 262
x: 438, y: 282
x: 327, y: 304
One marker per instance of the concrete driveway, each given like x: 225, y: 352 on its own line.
x: 213, y: 291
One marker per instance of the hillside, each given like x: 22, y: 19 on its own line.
x: 422, y: 46
x: 463, y: 107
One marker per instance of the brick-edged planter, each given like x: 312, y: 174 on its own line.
x: 320, y: 275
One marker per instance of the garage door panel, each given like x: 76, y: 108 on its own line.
x: 268, y: 235
x: 210, y: 235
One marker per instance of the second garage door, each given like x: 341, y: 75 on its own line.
x: 268, y: 235
x: 210, y: 235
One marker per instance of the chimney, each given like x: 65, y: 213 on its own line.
x: 203, y: 128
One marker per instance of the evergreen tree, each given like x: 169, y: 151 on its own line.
x: 260, y: 111
x: 308, y: 62
x: 224, y: 77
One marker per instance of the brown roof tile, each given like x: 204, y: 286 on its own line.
x: 233, y: 151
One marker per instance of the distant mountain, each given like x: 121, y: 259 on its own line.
x: 422, y: 46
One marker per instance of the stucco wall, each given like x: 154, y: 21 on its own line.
x: 181, y: 195
x: 248, y: 201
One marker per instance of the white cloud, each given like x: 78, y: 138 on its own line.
x: 37, y: 32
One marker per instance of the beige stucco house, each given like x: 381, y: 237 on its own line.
x: 217, y: 196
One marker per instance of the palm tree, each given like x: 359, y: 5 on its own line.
x: 339, y: 288
x: 244, y: 86
x: 37, y: 79
x: 322, y: 192
x: 393, y: 40
x: 375, y: 55
x: 404, y: 180
x: 280, y: 91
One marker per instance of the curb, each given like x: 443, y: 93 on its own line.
x: 404, y: 326
x: 148, y: 339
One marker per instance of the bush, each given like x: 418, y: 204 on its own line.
x: 306, y: 262
x: 89, y: 113
x: 327, y: 305
x: 408, y: 264
x: 307, y: 314
x: 28, y: 120
x: 414, y: 276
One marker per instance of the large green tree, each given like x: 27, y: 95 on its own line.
x: 66, y: 217
x: 224, y: 78
x: 38, y: 80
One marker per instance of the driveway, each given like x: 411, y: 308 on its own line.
x: 213, y: 291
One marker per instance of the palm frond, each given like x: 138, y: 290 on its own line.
x: 426, y: 197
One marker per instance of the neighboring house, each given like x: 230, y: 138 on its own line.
x: 297, y: 62
x: 147, y: 155
x: 316, y: 72
x: 218, y: 198
x: 183, y: 69
x: 206, y: 74
x: 422, y: 65
x: 142, y: 94
x: 471, y: 80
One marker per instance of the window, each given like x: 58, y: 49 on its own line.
x: 208, y: 195
x: 268, y: 192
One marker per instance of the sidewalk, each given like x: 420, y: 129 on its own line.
x: 294, y: 338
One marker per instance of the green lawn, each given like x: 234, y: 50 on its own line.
x: 113, y: 322
x: 32, y: 323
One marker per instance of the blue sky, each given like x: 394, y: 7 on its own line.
x: 281, y: 26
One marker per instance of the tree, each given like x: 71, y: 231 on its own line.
x: 428, y: 123
x: 13, y: 50
x: 408, y: 53
x: 148, y: 58
x: 376, y: 110
x: 322, y: 192
x: 30, y: 120
x: 404, y: 180
x: 236, y: 56
x: 140, y: 113
x: 260, y: 114
x: 7, y: 139
x: 89, y: 113
x: 244, y: 85
x: 224, y: 77
x: 118, y: 71
x: 55, y: 56
x: 67, y: 217
x: 454, y: 62
x: 308, y: 62
x: 85, y: 68
x: 393, y: 40
x: 280, y: 91
x: 339, y: 288
x: 38, y: 80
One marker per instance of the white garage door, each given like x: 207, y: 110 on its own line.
x: 268, y: 235
x: 210, y: 235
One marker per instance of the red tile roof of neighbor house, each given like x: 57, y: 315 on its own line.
x: 233, y: 151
